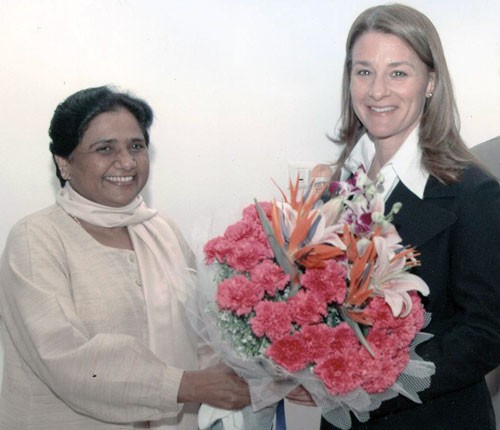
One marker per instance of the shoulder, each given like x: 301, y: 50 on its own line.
x: 478, y: 200
x: 43, y: 225
x: 473, y: 179
x: 41, y: 219
x: 475, y: 198
x: 476, y: 180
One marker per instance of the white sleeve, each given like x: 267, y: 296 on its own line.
x: 108, y: 376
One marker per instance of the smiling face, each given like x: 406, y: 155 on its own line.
x: 110, y: 165
x: 389, y: 85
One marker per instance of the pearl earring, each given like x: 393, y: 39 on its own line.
x: 429, y: 95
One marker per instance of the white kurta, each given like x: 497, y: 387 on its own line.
x: 76, y: 338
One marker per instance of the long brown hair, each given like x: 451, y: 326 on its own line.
x: 444, y: 154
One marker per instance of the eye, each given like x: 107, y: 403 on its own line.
x: 138, y: 146
x: 399, y: 74
x: 103, y: 148
x: 362, y: 72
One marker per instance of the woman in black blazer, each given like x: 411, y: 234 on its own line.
x: 399, y: 119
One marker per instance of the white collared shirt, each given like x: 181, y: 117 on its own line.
x: 405, y: 165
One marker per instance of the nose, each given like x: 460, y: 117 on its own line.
x: 125, y: 160
x: 379, y: 87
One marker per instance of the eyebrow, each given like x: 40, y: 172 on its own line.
x: 392, y: 64
x: 113, y: 141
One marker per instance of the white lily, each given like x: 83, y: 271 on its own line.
x: 392, y: 281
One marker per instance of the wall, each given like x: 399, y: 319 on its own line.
x: 239, y: 88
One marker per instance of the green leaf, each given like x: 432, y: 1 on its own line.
x: 281, y: 258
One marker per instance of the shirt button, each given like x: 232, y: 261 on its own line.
x: 138, y: 282
x: 131, y: 258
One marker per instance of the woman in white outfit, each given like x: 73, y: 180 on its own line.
x: 93, y: 290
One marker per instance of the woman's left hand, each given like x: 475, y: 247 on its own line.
x: 300, y: 396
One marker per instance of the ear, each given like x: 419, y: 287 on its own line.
x: 432, y: 83
x: 64, y: 167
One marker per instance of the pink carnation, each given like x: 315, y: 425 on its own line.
x: 269, y: 276
x: 238, y: 295
x: 246, y: 254
x: 345, y: 364
x: 380, y: 313
x: 217, y: 249
x: 251, y: 217
x: 271, y: 320
x: 307, y: 308
x: 289, y: 352
x: 340, y: 372
x: 338, y: 364
x: 417, y: 311
x: 383, y: 372
x: 405, y: 328
x: 316, y: 337
x: 260, y: 235
x: 385, y: 343
x: 374, y: 379
x: 328, y: 283
x: 238, y: 231
x: 250, y: 212
x: 389, y: 338
x: 343, y: 340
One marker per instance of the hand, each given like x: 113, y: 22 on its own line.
x: 217, y: 386
x: 300, y: 396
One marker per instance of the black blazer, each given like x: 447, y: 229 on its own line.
x: 456, y: 228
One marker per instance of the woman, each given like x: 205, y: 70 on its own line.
x: 93, y: 290
x: 399, y: 120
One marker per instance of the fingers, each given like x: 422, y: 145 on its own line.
x: 300, y: 396
x: 227, y: 390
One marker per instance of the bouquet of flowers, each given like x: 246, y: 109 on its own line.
x: 319, y: 294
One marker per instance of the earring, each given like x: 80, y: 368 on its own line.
x: 429, y: 95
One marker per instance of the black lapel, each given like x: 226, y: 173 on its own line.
x: 420, y: 220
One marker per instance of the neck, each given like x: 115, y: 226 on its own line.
x: 384, y: 151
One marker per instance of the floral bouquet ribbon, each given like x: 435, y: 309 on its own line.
x: 319, y: 294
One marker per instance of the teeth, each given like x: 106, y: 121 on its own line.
x: 119, y: 178
x: 382, y: 109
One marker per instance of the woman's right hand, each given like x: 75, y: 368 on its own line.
x: 217, y: 386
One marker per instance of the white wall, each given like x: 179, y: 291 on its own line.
x: 239, y: 88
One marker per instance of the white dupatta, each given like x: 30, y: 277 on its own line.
x: 167, y: 279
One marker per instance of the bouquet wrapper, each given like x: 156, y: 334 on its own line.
x: 210, y: 418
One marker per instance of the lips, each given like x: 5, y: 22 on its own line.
x: 119, y: 179
x: 383, y: 109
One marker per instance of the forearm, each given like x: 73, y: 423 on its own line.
x: 105, y: 384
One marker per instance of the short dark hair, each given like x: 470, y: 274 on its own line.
x: 72, y: 117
